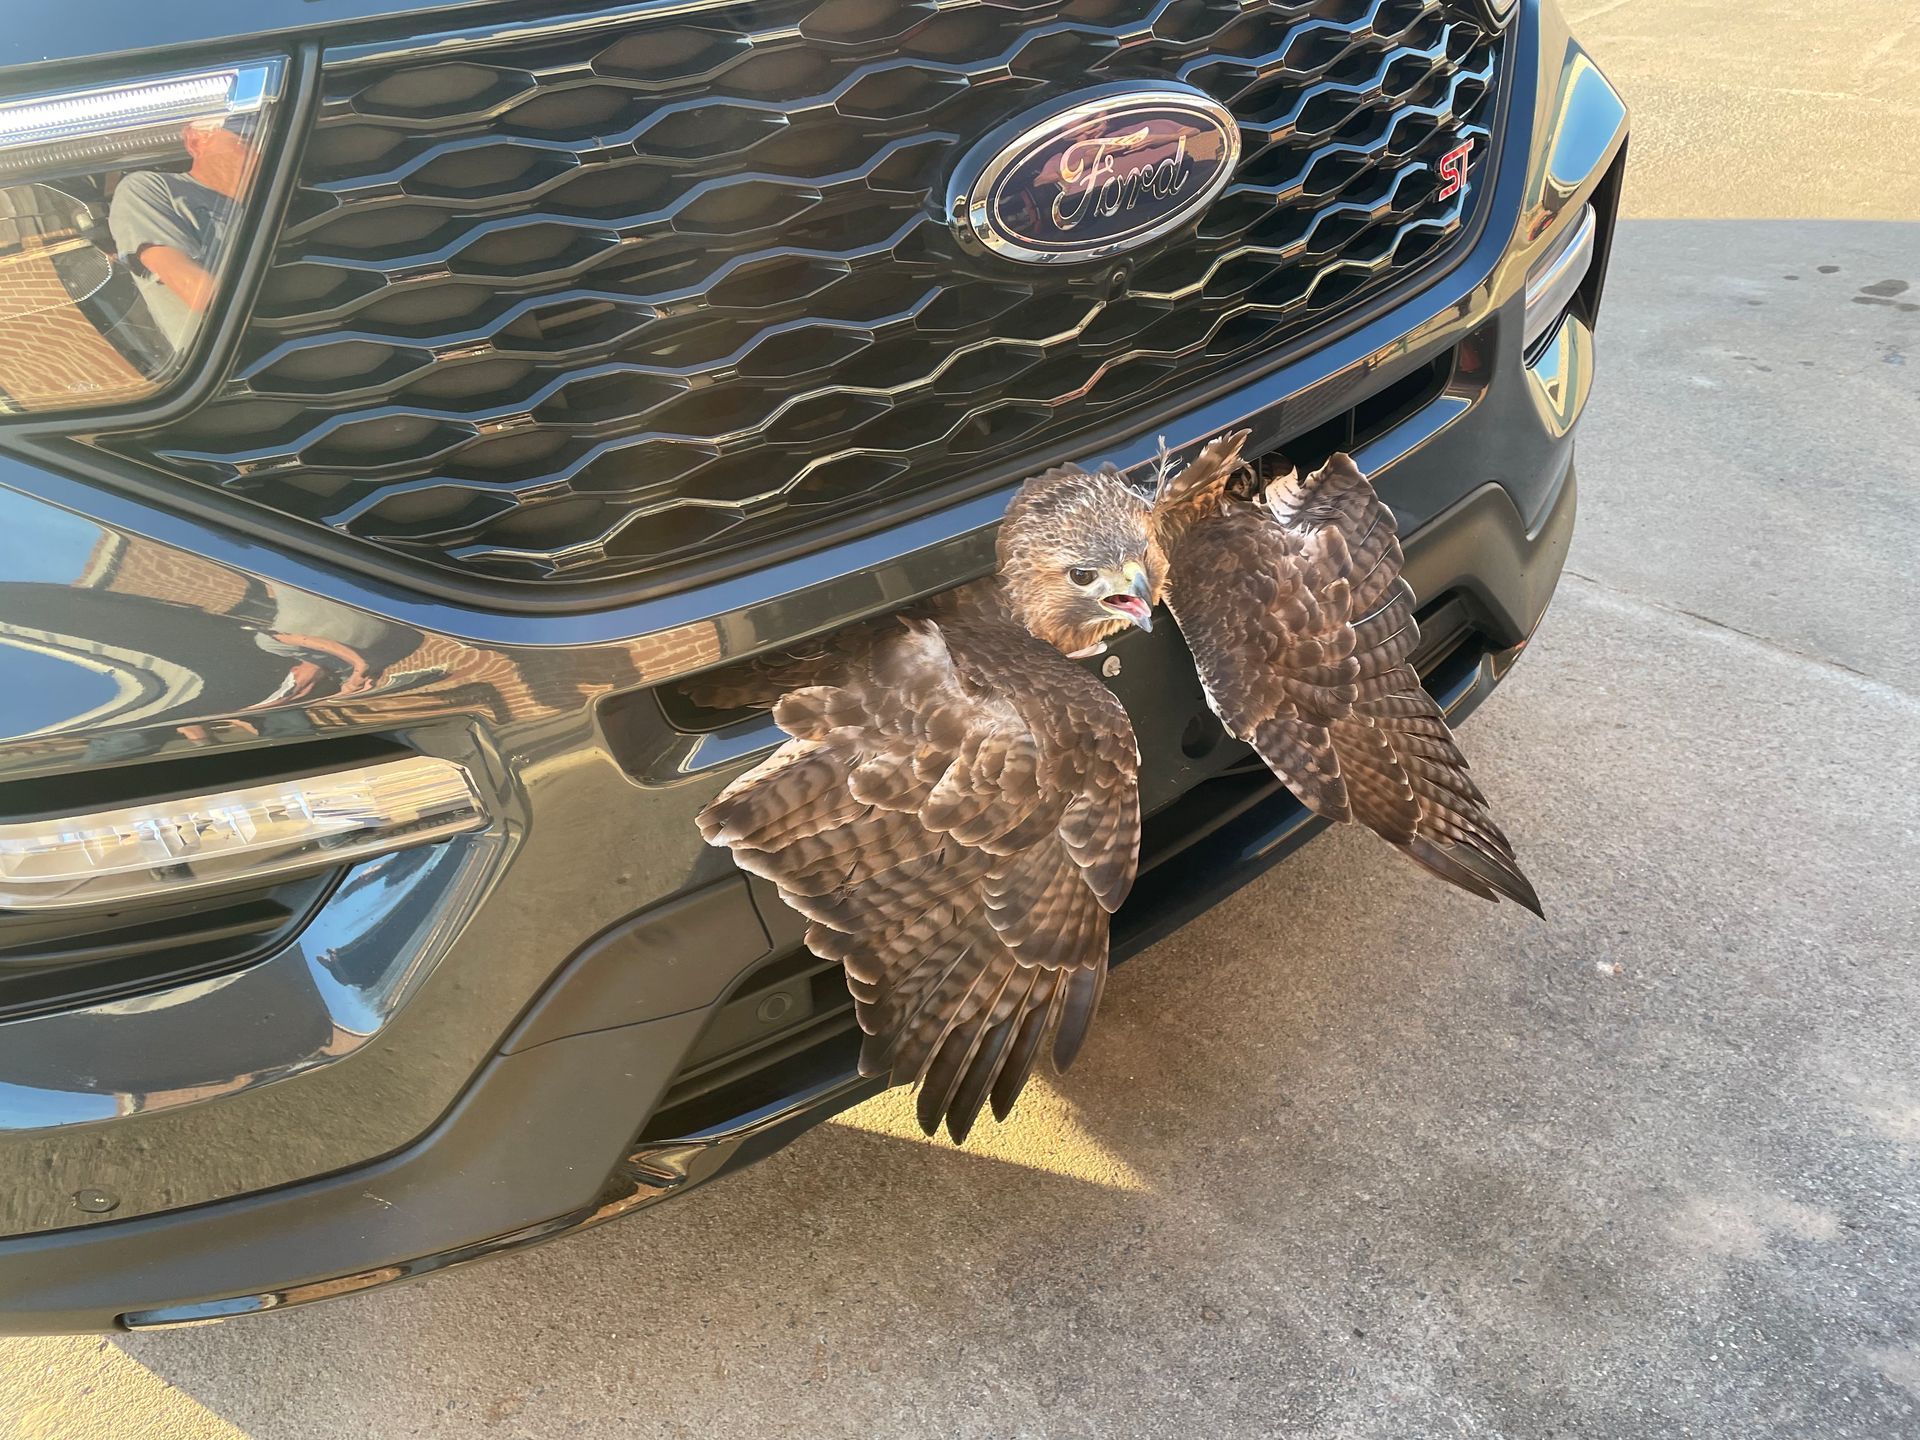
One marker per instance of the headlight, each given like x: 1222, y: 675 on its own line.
x: 119, y: 209
x: 162, y: 848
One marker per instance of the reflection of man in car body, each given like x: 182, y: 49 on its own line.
x: 169, y: 227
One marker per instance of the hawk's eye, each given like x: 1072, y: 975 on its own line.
x: 1083, y: 576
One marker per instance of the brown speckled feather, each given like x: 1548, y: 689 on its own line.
x: 955, y: 816
x: 1301, y: 625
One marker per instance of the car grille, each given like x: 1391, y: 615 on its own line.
x: 626, y: 294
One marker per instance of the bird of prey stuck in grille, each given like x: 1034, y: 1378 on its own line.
x: 956, y: 812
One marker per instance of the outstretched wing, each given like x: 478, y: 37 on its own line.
x: 1301, y: 625
x: 957, y: 844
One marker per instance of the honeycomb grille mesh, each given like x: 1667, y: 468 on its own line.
x: 622, y: 297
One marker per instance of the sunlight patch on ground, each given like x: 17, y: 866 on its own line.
x: 1044, y: 1133
x: 82, y: 1387
x: 1763, y: 109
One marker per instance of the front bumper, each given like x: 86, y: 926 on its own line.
x: 541, y: 1143
x: 407, y: 1082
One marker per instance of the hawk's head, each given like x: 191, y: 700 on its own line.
x: 1077, y: 558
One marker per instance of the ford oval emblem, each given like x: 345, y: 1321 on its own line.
x: 1101, y: 172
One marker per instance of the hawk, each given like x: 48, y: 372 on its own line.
x: 1289, y: 595
x: 956, y: 810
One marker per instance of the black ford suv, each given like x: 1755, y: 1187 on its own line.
x: 399, y: 400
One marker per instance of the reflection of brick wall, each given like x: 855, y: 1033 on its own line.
x: 675, y: 652
x: 483, y: 679
x: 465, y: 677
x: 135, y: 565
x: 488, y: 682
x: 49, y: 352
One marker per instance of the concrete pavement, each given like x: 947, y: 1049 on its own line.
x: 1765, y: 109
x: 1401, y: 1164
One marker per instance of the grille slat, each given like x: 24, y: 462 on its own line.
x: 591, y: 305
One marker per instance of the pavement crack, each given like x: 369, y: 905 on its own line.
x: 1906, y: 698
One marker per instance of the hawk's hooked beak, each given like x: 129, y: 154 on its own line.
x: 1137, y: 603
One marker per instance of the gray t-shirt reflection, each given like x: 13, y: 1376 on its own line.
x: 155, y: 208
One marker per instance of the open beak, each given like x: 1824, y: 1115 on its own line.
x: 1136, y: 604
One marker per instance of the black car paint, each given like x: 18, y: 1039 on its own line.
x: 448, y: 1131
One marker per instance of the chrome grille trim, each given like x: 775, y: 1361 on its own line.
x: 692, y: 414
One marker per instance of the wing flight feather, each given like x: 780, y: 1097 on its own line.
x: 955, y: 817
x: 1292, y: 601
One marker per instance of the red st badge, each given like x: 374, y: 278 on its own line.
x: 1453, y: 170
